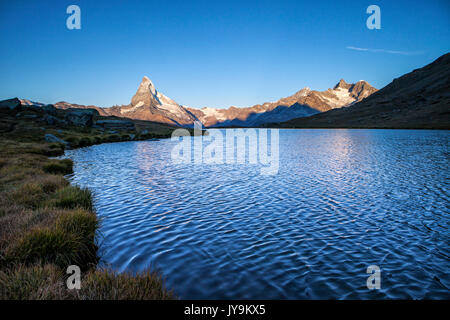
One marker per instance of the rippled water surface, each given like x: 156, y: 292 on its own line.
x: 341, y: 201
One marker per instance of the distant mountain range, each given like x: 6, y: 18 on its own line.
x: 419, y: 99
x: 303, y: 103
x: 150, y: 104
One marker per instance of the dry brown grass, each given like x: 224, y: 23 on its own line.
x: 47, y: 282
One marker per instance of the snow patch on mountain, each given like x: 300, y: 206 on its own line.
x: 132, y: 109
x: 211, y: 112
x: 341, y: 98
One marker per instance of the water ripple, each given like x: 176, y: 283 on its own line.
x: 342, y: 200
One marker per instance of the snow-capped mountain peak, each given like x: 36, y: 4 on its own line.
x: 150, y: 104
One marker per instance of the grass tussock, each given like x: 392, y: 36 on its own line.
x: 29, y: 194
x: 71, y: 197
x: 62, y: 238
x: 51, y: 150
x: 31, y: 283
x: 47, y: 282
x: 81, y: 222
x: 110, y: 285
x: 48, y: 246
x: 32, y: 193
x: 64, y: 166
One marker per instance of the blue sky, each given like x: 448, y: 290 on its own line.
x: 210, y: 53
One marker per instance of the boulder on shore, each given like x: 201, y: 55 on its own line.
x: 49, y: 109
x: 52, y: 120
x: 81, y: 117
x: 10, y: 104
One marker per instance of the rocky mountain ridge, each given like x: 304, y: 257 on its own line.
x: 150, y: 104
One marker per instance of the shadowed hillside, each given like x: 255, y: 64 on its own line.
x: 419, y: 99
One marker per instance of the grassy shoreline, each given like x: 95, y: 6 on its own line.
x: 46, y: 224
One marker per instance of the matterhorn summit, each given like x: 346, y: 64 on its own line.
x: 150, y: 104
